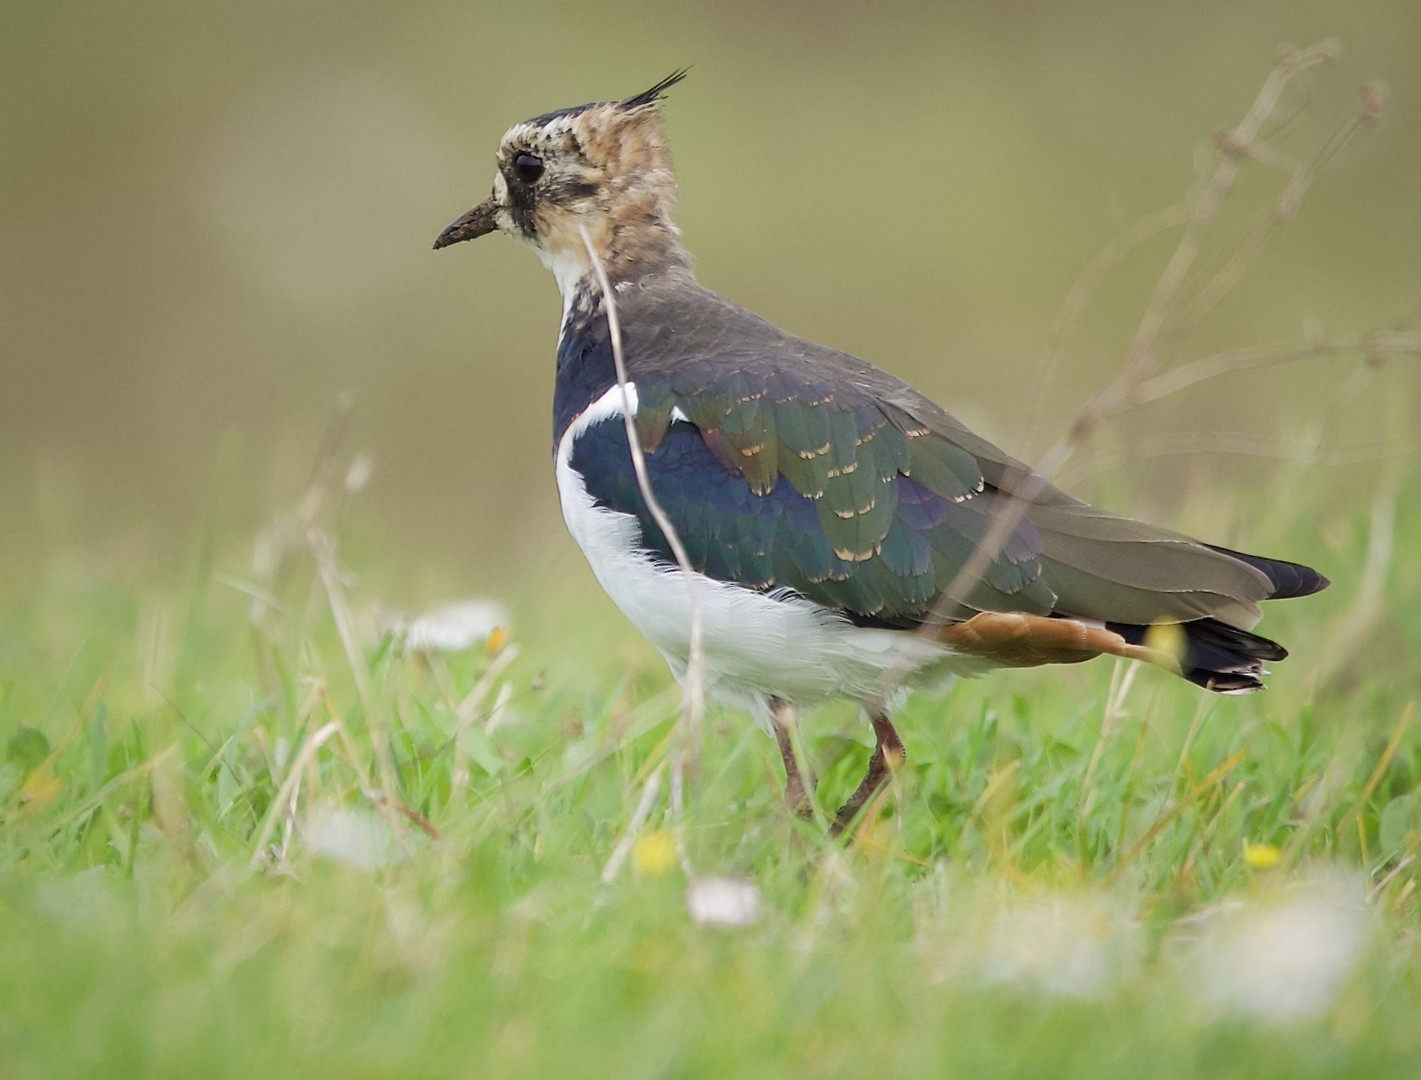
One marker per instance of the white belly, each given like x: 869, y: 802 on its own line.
x: 754, y: 644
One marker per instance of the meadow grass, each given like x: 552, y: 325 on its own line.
x: 244, y: 836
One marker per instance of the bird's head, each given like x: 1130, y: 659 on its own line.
x: 600, y: 169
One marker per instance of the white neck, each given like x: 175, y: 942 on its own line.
x: 569, y: 269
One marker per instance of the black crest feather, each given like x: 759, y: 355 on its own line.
x: 655, y: 94
x: 636, y: 101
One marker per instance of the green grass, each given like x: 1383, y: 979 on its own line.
x: 1070, y: 879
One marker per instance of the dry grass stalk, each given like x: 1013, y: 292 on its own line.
x: 618, y: 858
x: 283, y: 807
x: 1164, y: 316
x: 306, y: 540
x: 1239, y: 444
x: 693, y: 696
x: 1376, y: 345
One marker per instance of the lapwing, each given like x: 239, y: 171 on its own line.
x: 825, y: 505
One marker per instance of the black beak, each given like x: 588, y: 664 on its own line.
x: 477, y: 222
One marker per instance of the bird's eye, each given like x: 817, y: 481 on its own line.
x: 528, y: 168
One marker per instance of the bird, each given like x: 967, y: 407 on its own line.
x: 825, y: 507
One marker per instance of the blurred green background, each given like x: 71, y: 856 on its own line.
x: 217, y: 218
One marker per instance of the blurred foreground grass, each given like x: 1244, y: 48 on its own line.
x: 237, y: 842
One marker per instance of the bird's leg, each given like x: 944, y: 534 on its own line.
x: 888, y: 756
x: 797, y: 793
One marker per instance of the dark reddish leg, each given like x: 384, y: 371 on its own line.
x: 888, y: 756
x: 797, y: 793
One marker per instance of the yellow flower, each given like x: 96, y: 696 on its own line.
x: 1169, y: 639
x: 1261, y: 856
x: 654, y: 853
x: 497, y: 640
x: 41, y: 788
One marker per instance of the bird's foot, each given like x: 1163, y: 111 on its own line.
x: 798, y: 794
x: 797, y: 798
x: 888, y: 757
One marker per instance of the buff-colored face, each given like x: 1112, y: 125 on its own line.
x: 551, y: 178
x: 598, y: 174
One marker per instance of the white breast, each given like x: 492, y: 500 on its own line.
x: 755, y: 644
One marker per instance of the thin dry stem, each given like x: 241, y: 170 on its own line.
x: 1283, y: 210
x: 1206, y: 833
x: 468, y: 708
x: 1238, y: 444
x: 1383, y: 763
x: 323, y: 551
x: 1375, y: 345
x: 1141, y: 355
x: 1353, y: 630
x: 693, y: 698
x: 284, y: 803
x: 1142, y: 352
x: 1174, y: 809
x: 1395, y: 872
x: 1085, y: 287
x: 649, y: 791
x: 97, y: 798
